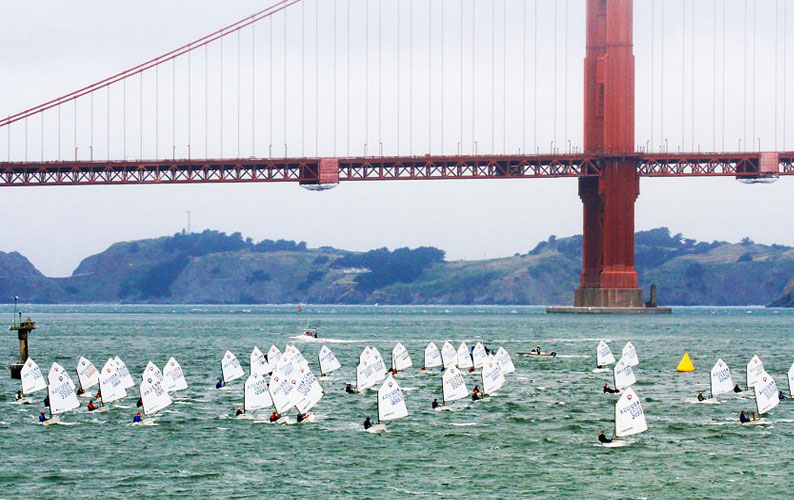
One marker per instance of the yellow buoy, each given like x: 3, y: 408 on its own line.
x: 685, y: 365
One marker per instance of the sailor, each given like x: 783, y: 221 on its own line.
x: 599, y: 366
x: 743, y: 418
x: 42, y: 417
x: 239, y: 412
x: 603, y: 439
x: 700, y: 397
x: 98, y: 394
x: 302, y: 416
x: 91, y: 405
x: 367, y: 423
x: 736, y: 388
x: 139, y: 403
x: 80, y: 391
x: 609, y: 389
x: 475, y: 395
x: 274, y: 416
x: 781, y: 396
x: 219, y: 383
x: 434, y: 404
x: 137, y: 418
x: 349, y: 389
x: 47, y: 400
x: 537, y: 349
x: 18, y: 396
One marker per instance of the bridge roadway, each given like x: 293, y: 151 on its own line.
x: 330, y: 171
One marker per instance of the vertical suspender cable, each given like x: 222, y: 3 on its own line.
x: 26, y: 138
x: 59, y: 137
x: 124, y: 119
x: 189, y: 102
x: 157, y: 111
x: 366, y: 75
x: 723, y: 75
x: 347, y: 134
x: 253, y: 89
x: 442, y: 77
x: 473, y: 82
x: 785, y: 71
x: 206, y: 102
x: 493, y: 70
x: 91, y: 142
x: 777, y: 78
x: 653, y: 67
x: 554, y: 101
x: 504, y: 77
x: 683, y: 74
x: 565, y: 79
x: 42, y: 129
x: 460, y: 148
x: 714, y: 79
x: 535, y: 83
x: 380, y: 88
x: 270, y: 90
x: 173, y: 109
x: 398, y: 77
x: 661, y: 109
x: 755, y: 16
x: 220, y: 128
x: 140, y: 121
x: 238, y: 93
x: 411, y: 78
x: 285, y: 83
x: 744, y: 64
x: 430, y: 76
x: 75, y: 130
x: 303, y: 79
x: 524, y: 78
x: 692, y: 82
x: 333, y: 148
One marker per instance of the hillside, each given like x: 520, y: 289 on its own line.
x: 212, y: 267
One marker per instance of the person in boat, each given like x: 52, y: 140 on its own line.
x: 599, y: 366
x: 139, y: 403
x: 219, y: 383
x: 349, y: 389
x: 98, y: 394
x: 743, y: 418
x: 239, y: 412
x: 18, y: 396
x: 736, y: 388
x: 487, y: 351
x: 610, y: 390
x: 137, y: 418
x: 781, y: 396
x: 92, y: 406
x: 603, y: 439
x: 536, y: 350
x: 80, y: 391
x: 367, y: 423
x: 475, y: 394
x: 42, y: 417
x: 302, y: 416
x: 700, y: 397
x: 434, y: 404
x: 47, y: 401
x: 274, y: 416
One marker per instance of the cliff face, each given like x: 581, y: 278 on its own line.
x: 213, y: 267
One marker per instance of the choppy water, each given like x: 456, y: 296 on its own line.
x: 536, y: 438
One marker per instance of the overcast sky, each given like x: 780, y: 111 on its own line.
x: 51, y: 48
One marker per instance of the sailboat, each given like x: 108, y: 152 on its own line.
x: 152, y: 371
x: 283, y: 393
x: 61, y: 391
x: 720, y: 382
x: 230, y: 368
x: 400, y: 359
x: 154, y: 398
x: 503, y: 357
x: 32, y: 381
x: 328, y: 361
x: 766, y: 397
x: 492, y: 377
x: 603, y: 357
x: 623, y: 375
x: 629, y: 418
x: 173, y: 378
x: 296, y: 355
x: 87, y: 375
x: 391, y: 404
x: 111, y: 387
x: 630, y: 354
x: 257, y: 362
x: 365, y: 375
x: 453, y: 387
x: 791, y: 381
x: 310, y: 391
x: 432, y: 358
x: 272, y: 356
x: 753, y: 371
x: 449, y: 356
x: 255, y: 393
x: 464, y: 358
x: 126, y: 379
x: 478, y: 355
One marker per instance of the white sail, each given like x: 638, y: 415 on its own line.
x: 257, y: 362
x: 378, y: 366
x: 173, y: 378
x: 230, y: 367
x: 328, y: 361
x: 503, y: 357
x: 154, y: 396
x: 286, y: 363
x: 32, y: 379
x: 478, y: 355
x: 791, y: 380
x: 365, y: 375
x: 630, y: 353
x: 296, y: 355
x: 492, y: 377
x: 400, y: 359
x: 87, y: 374
x: 464, y: 356
x: 255, y: 394
x: 604, y: 354
x: 623, y: 374
x: 391, y: 401
x: 449, y: 356
x: 721, y: 381
x: 61, y: 390
x: 309, y: 388
x: 126, y: 378
x: 432, y: 356
x: 110, y: 385
x: 452, y: 385
x: 766, y: 393
x: 152, y: 371
x: 282, y: 391
x: 754, y: 370
x: 272, y: 356
x: 629, y: 416
x: 365, y: 354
